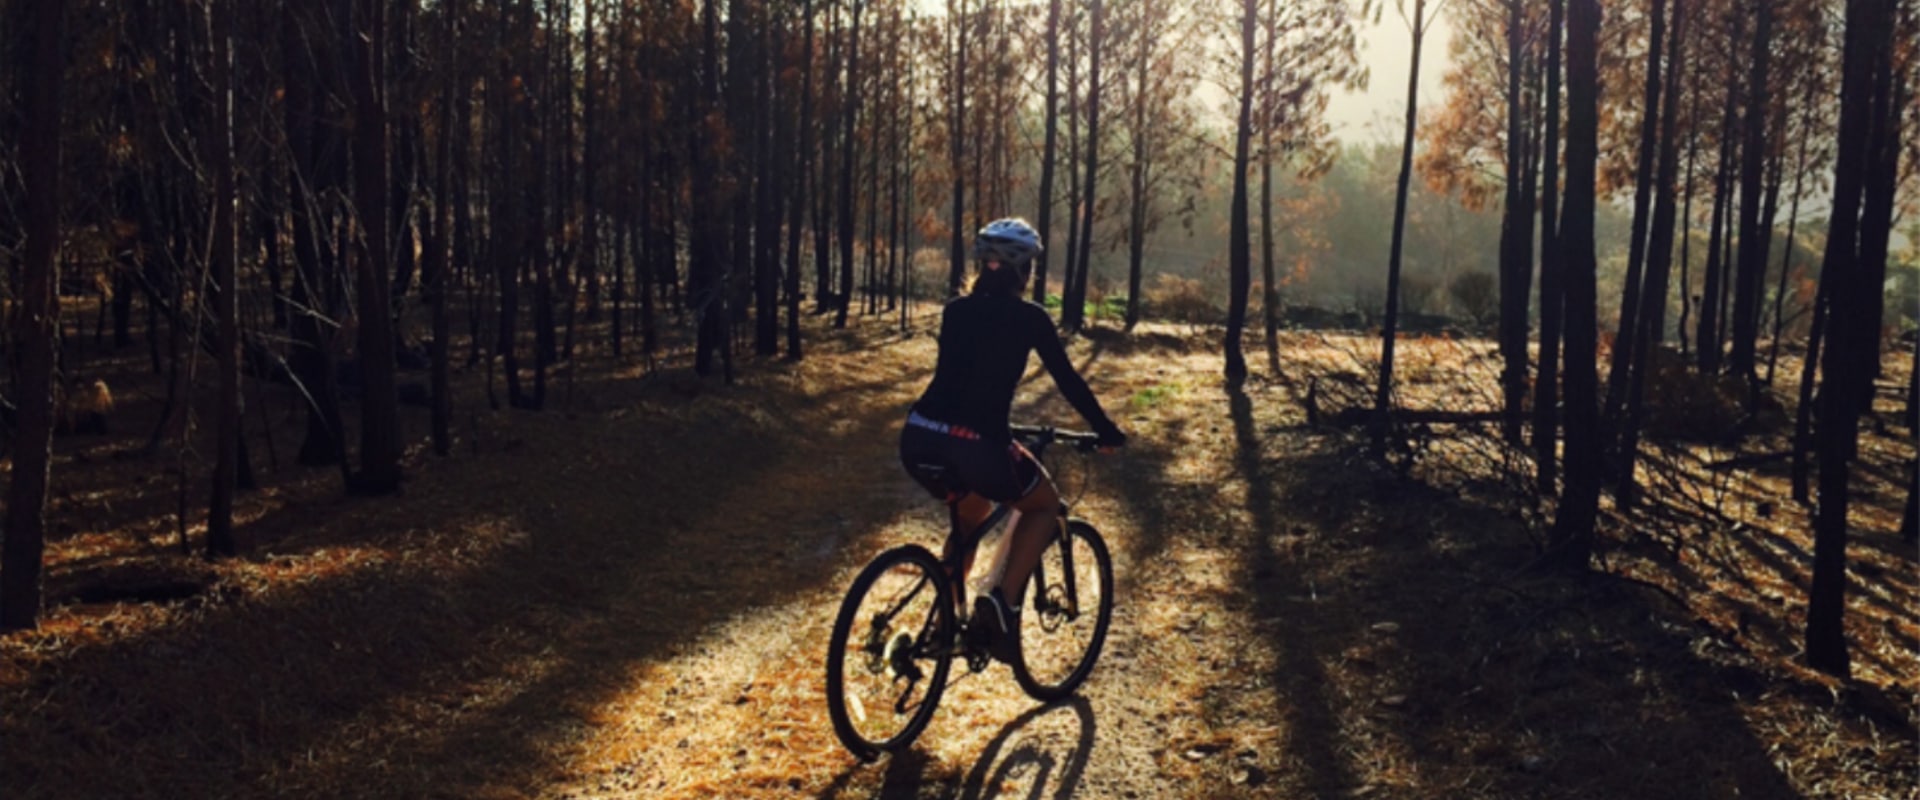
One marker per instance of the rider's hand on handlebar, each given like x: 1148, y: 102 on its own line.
x: 1110, y: 442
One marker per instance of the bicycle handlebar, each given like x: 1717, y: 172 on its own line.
x: 1042, y: 435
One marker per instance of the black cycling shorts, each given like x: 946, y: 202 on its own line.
x: 951, y: 461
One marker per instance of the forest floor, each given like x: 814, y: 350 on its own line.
x: 629, y: 595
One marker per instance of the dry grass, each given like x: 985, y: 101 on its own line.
x: 630, y: 597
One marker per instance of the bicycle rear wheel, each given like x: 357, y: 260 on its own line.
x: 891, y: 647
x: 1070, y: 605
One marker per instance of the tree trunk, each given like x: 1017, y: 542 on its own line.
x: 225, y: 294
x: 440, y: 252
x: 872, y: 280
x: 1269, y: 117
x: 1621, y: 367
x: 1754, y: 235
x: 589, y: 168
x: 956, y: 142
x: 1570, y: 545
x: 1893, y: 96
x: 775, y: 129
x: 849, y: 164
x: 1710, y: 299
x: 1390, y: 322
x: 379, y: 410
x: 36, y: 318
x: 1073, y: 161
x: 1653, y: 299
x: 1546, y: 402
x: 1074, y: 297
x: 1137, y: 181
x: 1049, y: 151
x: 1786, y: 258
x: 1239, y: 245
x: 705, y: 290
x: 1866, y: 68
x: 1686, y: 228
x: 803, y: 169
x: 1802, y: 468
x: 899, y: 131
x: 823, y: 194
x: 1516, y: 262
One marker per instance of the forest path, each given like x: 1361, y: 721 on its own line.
x: 1290, y: 622
x: 630, y: 598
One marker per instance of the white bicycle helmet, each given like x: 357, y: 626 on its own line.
x: 1010, y: 241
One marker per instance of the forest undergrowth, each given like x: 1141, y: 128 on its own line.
x: 629, y: 595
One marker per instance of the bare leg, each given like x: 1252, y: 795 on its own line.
x: 1039, y: 513
x: 973, y: 510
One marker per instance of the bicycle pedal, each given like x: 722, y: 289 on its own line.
x: 978, y: 660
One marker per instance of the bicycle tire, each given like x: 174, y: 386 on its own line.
x: 931, y: 642
x: 1047, y: 592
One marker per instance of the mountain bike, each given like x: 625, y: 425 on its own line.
x: 904, y: 620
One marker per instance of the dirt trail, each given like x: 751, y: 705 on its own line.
x: 633, y: 599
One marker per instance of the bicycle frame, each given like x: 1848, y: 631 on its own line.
x: 954, y: 558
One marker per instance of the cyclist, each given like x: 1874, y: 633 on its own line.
x: 959, y: 429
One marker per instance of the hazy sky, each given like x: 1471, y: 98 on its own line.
x: 1386, y: 49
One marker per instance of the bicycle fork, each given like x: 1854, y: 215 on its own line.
x: 1043, y: 601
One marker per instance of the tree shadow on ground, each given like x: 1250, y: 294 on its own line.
x: 1738, y: 559
x: 1515, y: 684
x: 528, y: 598
x: 1410, y: 654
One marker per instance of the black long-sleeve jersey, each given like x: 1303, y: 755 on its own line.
x: 984, y: 342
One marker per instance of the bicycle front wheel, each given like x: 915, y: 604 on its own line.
x: 1070, y: 599
x: 891, y: 647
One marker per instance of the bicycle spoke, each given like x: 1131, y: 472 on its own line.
x: 1072, y: 606
x: 883, y: 683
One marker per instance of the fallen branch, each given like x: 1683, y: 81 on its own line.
x: 1751, y: 460
x: 1356, y: 417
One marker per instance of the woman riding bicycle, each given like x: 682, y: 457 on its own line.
x: 957, y: 441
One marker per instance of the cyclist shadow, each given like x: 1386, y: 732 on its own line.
x: 1038, y: 755
x: 1033, y: 763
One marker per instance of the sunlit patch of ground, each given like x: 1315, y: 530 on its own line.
x: 629, y: 595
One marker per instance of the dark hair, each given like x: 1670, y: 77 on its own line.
x: 1007, y: 281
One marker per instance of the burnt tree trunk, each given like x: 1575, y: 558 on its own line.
x: 1383, y: 393
x: 1653, y: 298
x: 310, y: 358
x: 1516, y: 262
x: 1269, y: 117
x: 1865, y: 73
x: 803, y: 173
x: 441, y: 253
x: 1546, y: 401
x: 1137, y: 186
x: 1239, y: 244
x: 1754, y: 232
x: 1049, y: 152
x: 849, y: 164
x: 956, y: 144
x: 379, y: 405
x: 1623, y: 349
x: 1074, y: 295
x: 225, y: 294
x: 1709, y: 338
x: 1786, y: 258
x: 1570, y: 542
x: 36, y: 318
